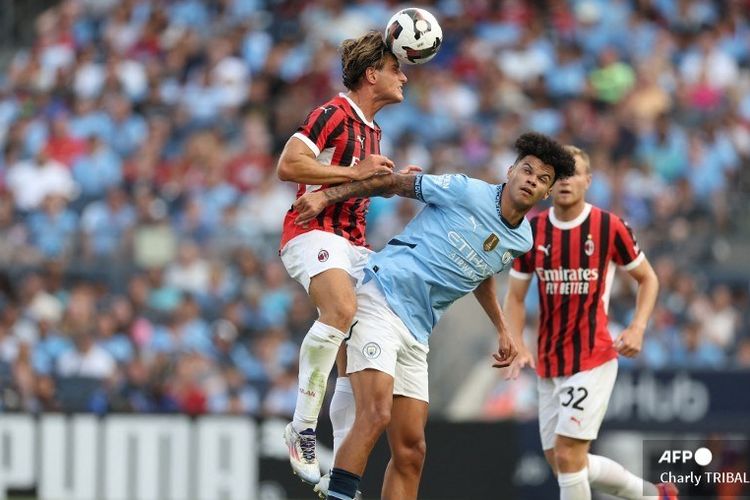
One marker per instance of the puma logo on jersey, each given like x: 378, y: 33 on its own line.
x: 574, y: 419
x: 361, y: 140
x: 326, y: 109
x: 544, y: 249
x: 473, y: 222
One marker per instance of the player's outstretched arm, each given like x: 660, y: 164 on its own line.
x: 310, y: 205
x: 487, y: 298
x: 630, y: 340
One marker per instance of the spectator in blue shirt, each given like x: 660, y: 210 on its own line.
x: 665, y: 149
x: 230, y: 352
x: 695, y: 352
x: 98, y: 170
x: 128, y: 129
x: 107, y: 225
x: 90, y: 120
x: 52, y: 229
x: 568, y: 77
x: 117, y: 344
x: 216, y: 195
x: 50, y: 343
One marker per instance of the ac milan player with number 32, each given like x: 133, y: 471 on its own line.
x: 576, y: 248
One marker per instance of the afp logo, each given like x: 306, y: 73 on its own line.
x: 701, y: 456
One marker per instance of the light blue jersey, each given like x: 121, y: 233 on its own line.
x: 457, y: 241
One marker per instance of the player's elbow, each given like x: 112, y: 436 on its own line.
x: 285, y: 170
x: 652, y: 280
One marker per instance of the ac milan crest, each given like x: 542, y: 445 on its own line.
x: 588, y: 247
x: 323, y: 255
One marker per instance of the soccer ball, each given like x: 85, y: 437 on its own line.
x: 413, y: 35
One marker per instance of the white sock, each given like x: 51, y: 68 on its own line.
x: 609, y: 477
x: 342, y: 411
x: 574, y: 485
x: 317, y: 356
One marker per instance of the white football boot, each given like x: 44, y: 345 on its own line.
x: 302, y: 454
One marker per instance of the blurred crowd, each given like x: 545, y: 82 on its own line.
x: 140, y: 213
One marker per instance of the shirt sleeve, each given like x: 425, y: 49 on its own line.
x: 626, y: 251
x: 523, y: 266
x: 321, y: 127
x: 446, y: 189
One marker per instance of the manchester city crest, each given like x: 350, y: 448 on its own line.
x: 371, y: 350
x: 507, y: 257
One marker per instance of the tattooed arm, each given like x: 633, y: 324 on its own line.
x: 380, y: 185
x: 310, y: 205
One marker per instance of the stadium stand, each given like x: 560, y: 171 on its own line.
x: 140, y: 212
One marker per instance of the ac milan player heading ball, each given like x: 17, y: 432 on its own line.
x: 339, y: 142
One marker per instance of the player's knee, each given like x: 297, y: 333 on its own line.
x: 569, y: 456
x: 377, y: 417
x: 339, y: 315
x: 409, y: 456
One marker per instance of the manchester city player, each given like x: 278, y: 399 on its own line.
x: 468, y: 231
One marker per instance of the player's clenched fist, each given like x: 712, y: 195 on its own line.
x: 630, y: 341
x: 372, y: 165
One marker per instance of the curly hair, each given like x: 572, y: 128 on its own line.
x: 358, y: 54
x: 548, y: 151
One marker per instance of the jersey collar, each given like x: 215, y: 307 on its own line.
x: 358, y: 111
x: 569, y: 224
x: 498, y: 198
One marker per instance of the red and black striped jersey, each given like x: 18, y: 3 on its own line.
x: 339, y: 134
x: 573, y: 262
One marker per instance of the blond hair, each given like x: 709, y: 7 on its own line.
x: 579, y: 153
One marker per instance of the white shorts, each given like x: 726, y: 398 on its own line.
x: 380, y: 341
x: 574, y: 406
x: 311, y: 253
